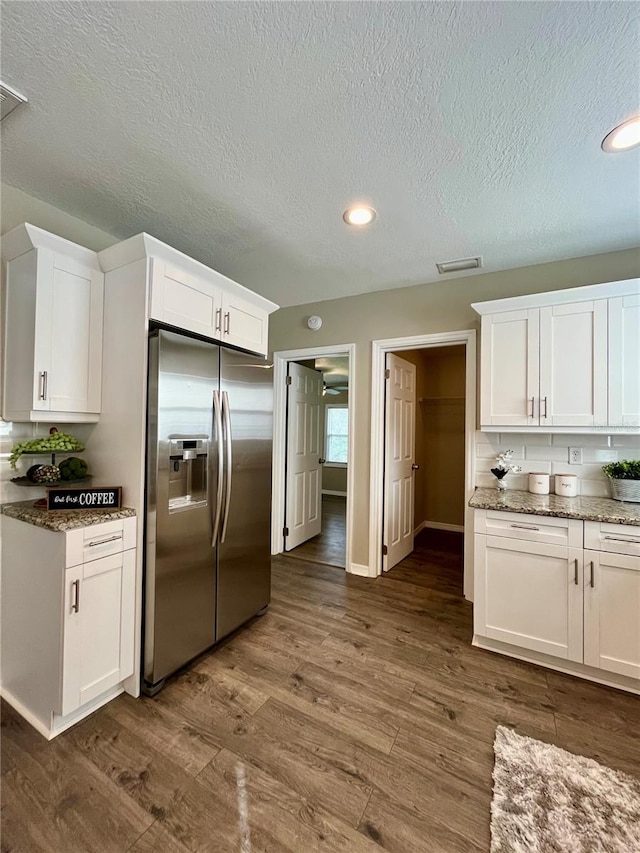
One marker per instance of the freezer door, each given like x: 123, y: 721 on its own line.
x: 182, y: 478
x: 244, y: 565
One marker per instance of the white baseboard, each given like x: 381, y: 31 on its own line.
x: 441, y: 525
x: 331, y: 492
x: 60, y: 724
x: 361, y: 570
x: 26, y: 714
x: 419, y: 528
x: 610, y: 679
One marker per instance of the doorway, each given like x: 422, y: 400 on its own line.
x: 331, y: 544
x: 431, y: 404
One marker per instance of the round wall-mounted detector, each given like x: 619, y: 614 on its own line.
x: 314, y: 322
x: 359, y: 215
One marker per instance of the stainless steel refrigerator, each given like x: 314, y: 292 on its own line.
x: 207, y: 554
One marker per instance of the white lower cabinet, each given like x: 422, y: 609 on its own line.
x: 68, y: 607
x: 98, y: 628
x: 577, y: 606
x: 530, y: 595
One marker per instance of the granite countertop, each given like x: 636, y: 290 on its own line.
x: 585, y: 508
x: 61, y: 520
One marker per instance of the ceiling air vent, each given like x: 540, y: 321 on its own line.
x: 10, y: 99
x: 461, y: 264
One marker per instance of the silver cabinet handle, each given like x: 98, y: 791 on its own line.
x: 525, y: 527
x: 226, y: 417
x: 104, y: 541
x: 575, y: 571
x: 622, y: 539
x: 592, y: 582
x: 532, y: 404
x: 75, y: 592
x: 218, y: 319
x: 227, y: 322
x: 545, y: 407
x: 217, y: 431
x: 43, y: 385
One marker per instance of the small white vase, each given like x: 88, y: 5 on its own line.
x: 502, y: 485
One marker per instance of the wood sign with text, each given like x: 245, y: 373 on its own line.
x: 103, y: 497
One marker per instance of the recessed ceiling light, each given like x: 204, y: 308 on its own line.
x: 461, y: 264
x: 359, y: 215
x: 623, y: 137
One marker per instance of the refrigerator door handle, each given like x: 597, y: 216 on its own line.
x: 226, y: 417
x: 217, y: 423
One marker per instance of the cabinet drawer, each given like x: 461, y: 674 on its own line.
x: 99, y: 540
x: 614, y: 538
x: 530, y: 528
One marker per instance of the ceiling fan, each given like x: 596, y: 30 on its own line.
x: 333, y: 389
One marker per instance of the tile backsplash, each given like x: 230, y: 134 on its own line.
x: 549, y: 453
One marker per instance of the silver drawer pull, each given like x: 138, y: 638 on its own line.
x: 622, y: 539
x: 104, y: 541
x: 524, y: 527
x: 75, y: 587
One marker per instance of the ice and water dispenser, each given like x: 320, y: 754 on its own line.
x: 188, y: 464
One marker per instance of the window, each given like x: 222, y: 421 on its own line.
x: 336, y: 434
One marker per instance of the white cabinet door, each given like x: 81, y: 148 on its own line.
x: 612, y: 612
x: 98, y: 647
x: 53, y: 345
x: 573, y: 364
x: 529, y: 595
x: 624, y: 361
x: 243, y: 323
x: 183, y: 300
x: 510, y: 377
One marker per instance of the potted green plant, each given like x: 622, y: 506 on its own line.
x: 625, y: 479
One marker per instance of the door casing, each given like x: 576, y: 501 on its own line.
x: 376, y: 503
x: 280, y: 362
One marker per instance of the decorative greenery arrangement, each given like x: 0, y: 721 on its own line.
x: 55, y: 442
x: 504, y: 466
x: 626, y: 469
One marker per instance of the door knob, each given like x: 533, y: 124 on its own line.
x: 414, y: 467
x: 322, y: 461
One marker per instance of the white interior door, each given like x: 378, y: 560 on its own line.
x: 303, y: 501
x: 399, y: 456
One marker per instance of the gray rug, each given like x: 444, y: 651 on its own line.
x: 546, y: 800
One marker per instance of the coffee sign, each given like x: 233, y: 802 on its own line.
x: 106, y: 497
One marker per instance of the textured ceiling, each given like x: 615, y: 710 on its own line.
x: 239, y: 132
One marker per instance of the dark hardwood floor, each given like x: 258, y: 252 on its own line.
x: 329, y: 546
x: 354, y: 716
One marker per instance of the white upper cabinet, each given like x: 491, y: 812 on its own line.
x: 510, y: 370
x: 624, y: 361
x: 562, y: 361
x: 573, y: 364
x: 53, y: 328
x: 244, y: 323
x: 189, y: 296
x: 184, y: 300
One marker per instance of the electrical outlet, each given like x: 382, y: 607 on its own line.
x: 575, y: 456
